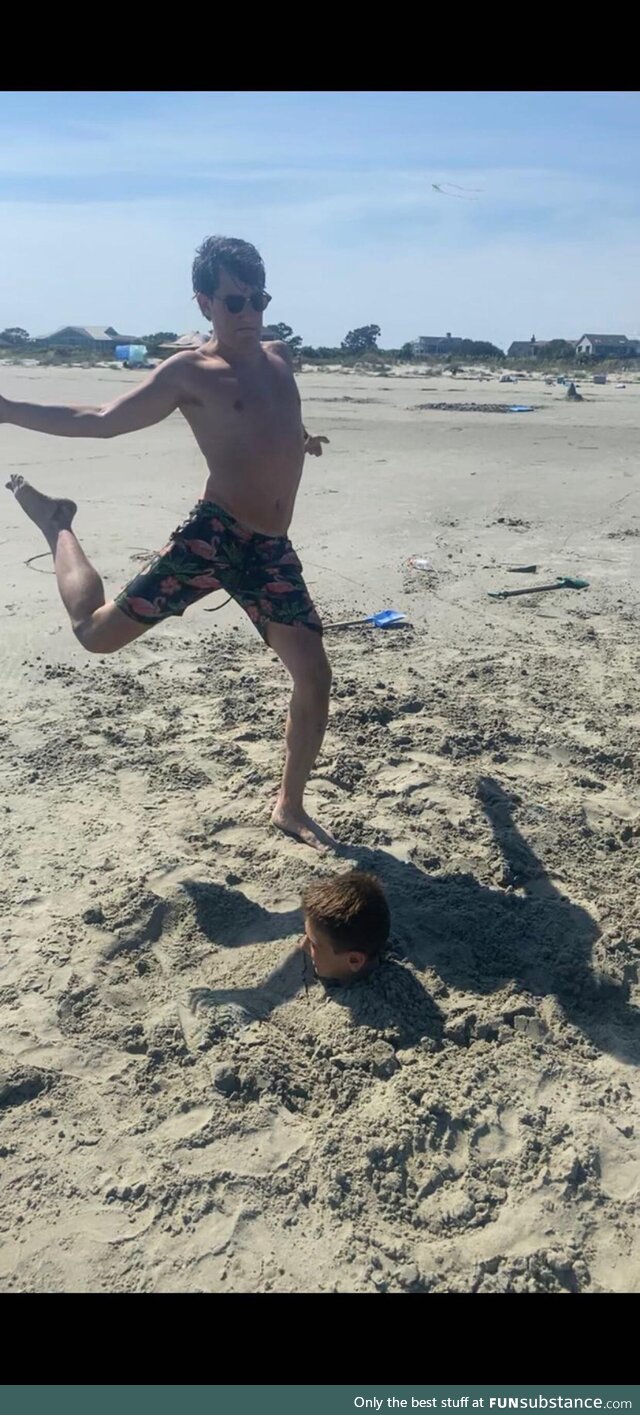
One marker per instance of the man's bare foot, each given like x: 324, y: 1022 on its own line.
x: 50, y: 513
x: 301, y: 827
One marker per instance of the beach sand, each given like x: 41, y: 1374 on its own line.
x: 181, y: 1109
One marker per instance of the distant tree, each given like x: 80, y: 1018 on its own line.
x: 164, y: 336
x: 285, y: 334
x: 559, y: 349
x: 479, y: 349
x: 363, y: 340
x: 406, y: 352
x: 14, y: 336
x: 322, y: 354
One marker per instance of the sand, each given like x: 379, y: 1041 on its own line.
x: 181, y: 1107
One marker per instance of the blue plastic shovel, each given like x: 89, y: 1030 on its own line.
x: 384, y: 619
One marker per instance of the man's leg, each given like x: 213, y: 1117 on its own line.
x: 99, y: 627
x: 302, y: 653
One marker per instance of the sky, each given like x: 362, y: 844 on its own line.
x: 104, y: 197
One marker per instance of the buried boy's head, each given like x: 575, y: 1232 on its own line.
x: 347, y: 922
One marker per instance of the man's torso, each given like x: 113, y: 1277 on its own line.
x: 247, y: 422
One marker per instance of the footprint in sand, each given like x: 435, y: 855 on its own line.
x: 619, y: 1162
x: 497, y: 1139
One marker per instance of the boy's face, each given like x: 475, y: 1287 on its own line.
x: 327, y: 962
x: 235, y: 331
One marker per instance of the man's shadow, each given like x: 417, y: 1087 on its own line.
x: 229, y: 919
x: 479, y: 939
x: 475, y: 938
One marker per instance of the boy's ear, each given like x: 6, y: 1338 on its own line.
x: 204, y: 305
x: 357, y: 961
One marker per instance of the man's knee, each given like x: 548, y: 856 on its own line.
x: 316, y: 676
x: 96, y: 637
x: 91, y: 638
x: 107, y: 630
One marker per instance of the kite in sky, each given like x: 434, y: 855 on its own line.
x: 449, y: 189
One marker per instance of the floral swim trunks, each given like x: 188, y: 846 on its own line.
x: 212, y: 551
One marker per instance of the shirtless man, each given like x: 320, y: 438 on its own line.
x: 241, y: 402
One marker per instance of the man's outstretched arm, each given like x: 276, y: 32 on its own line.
x: 146, y: 404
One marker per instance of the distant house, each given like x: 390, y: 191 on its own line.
x: 528, y: 349
x: 606, y: 346
x: 435, y: 344
x: 192, y: 340
x: 86, y: 336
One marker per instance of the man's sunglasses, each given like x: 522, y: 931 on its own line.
x: 236, y: 303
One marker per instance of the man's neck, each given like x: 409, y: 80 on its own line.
x: 234, y: 357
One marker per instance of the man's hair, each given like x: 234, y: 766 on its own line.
x: 237, y: 257
x: 351, y: 909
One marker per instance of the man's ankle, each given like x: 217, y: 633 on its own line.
x: 289, y: 803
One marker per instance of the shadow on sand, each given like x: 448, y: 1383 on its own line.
x: 476, y: 939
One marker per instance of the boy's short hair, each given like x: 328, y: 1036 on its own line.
x: 351, y: 909
x: 238, y: 257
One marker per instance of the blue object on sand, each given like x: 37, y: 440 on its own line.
x: 520, y: 408
x: 384, y: 619
x: 131, y: 353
